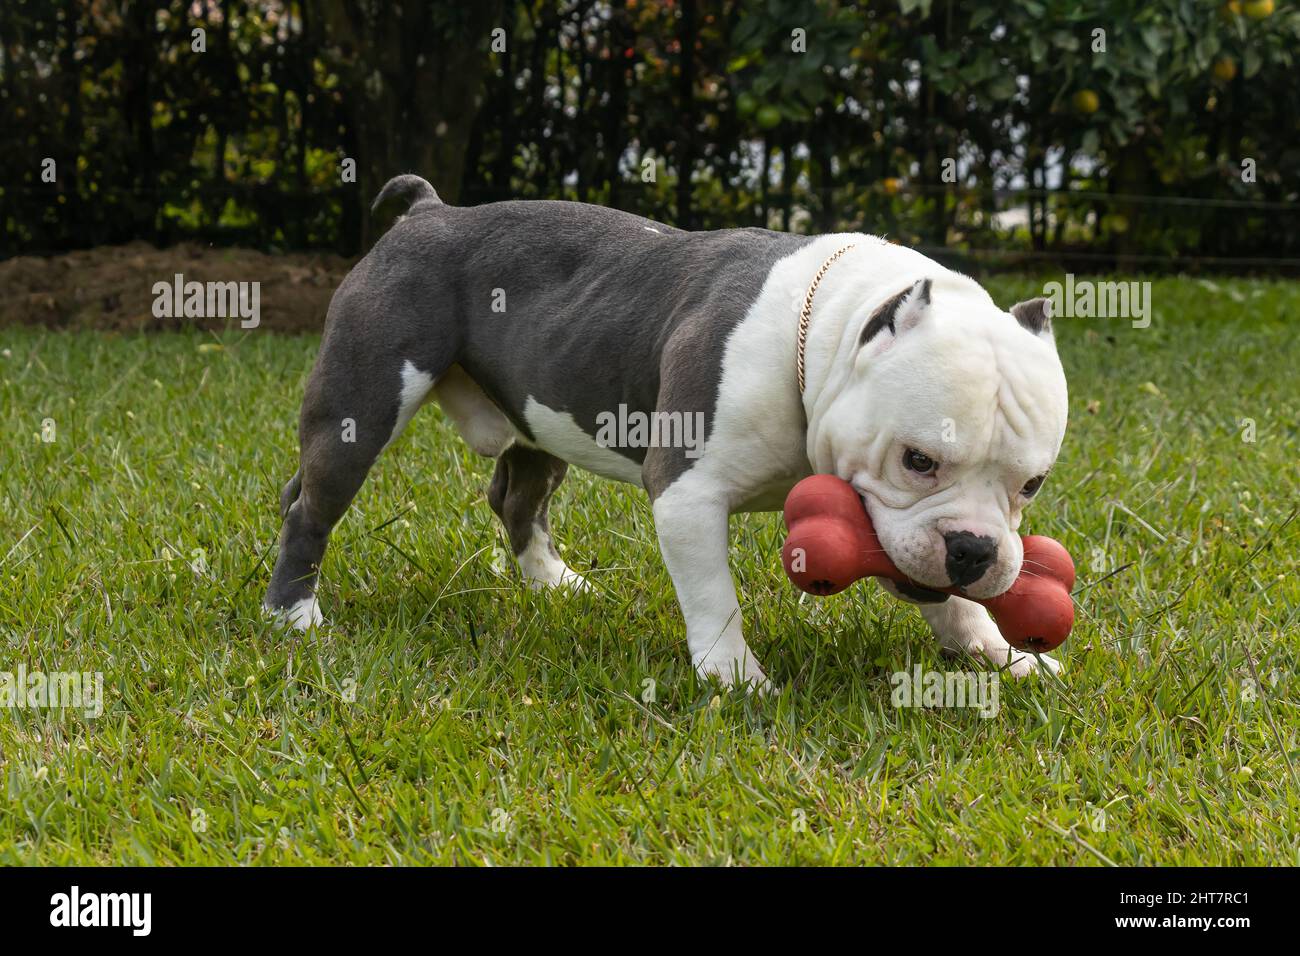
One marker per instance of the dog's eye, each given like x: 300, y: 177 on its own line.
x: 914, y: 460
x: 1032, y: 486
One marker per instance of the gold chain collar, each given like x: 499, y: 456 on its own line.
x: 805, y: 314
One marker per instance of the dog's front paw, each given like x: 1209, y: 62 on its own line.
x: 300, y: 616
x: 571, y: 580
x: 733, y: 670
x: 989, y: 644
x: 1045, y: 663
x: 1020, y: 664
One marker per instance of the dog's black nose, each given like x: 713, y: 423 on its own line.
x: 969, y: 556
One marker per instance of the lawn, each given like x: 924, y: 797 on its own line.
x: 446, y: 715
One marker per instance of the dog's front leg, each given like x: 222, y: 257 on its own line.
x: 962, y: 625
x: 692, y: 528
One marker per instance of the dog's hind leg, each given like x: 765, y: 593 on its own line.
x: 352, y: 410
x: 520, y: 494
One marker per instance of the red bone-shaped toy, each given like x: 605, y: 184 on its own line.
x: 833, y: 544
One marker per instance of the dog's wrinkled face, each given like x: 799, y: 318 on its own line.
x: 950, y: 419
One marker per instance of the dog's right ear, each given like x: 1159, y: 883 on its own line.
x: 899, y: 313
x: 1035, y: 315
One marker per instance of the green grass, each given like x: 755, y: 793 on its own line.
x: 448, y: 716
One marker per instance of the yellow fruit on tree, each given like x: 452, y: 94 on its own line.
x: 1086, y: 101
x: 891, y: 186
x: 1115, y: 222
x: 1258, y: 9
x: 1225, y: 68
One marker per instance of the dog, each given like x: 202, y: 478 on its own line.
x: 536, y: 325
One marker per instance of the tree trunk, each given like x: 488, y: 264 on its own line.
x: 1130, y: 177
x: 620, y: 39
x: 302, y: 87
x: 504, y: 165
x: 821, y: 146
x: 226, y: 72
x: 686, y: 103
x: 70, y: 70
x: 787, y: 178
x: 415, y: 76
x: 137, y: 109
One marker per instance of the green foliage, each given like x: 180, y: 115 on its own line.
x: 155, y: 140
x: 802, y: 114
x: 797, y: 76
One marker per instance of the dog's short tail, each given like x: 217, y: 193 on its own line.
x: 414, y: 189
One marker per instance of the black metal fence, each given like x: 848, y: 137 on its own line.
x: 272, y: 123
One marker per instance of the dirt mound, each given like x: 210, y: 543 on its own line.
x: 112, y: 287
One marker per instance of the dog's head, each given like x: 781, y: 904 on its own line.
x: 949, y: 420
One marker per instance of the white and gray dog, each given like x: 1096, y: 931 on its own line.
x: 944, y: 411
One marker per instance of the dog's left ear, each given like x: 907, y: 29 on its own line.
x: 1035, y: 315
x: 899, y: 313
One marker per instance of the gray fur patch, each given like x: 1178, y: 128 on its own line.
x: 601, y: 308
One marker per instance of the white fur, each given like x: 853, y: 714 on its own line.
x: 415, y: 389
x: 558, y: 434
x: 758, y: 449
x: 961, y: 381
x: 302, y: 616
x: 484, y: 427
x: 691, y: 520
x: 754, y: 454
x: 542, y: 567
